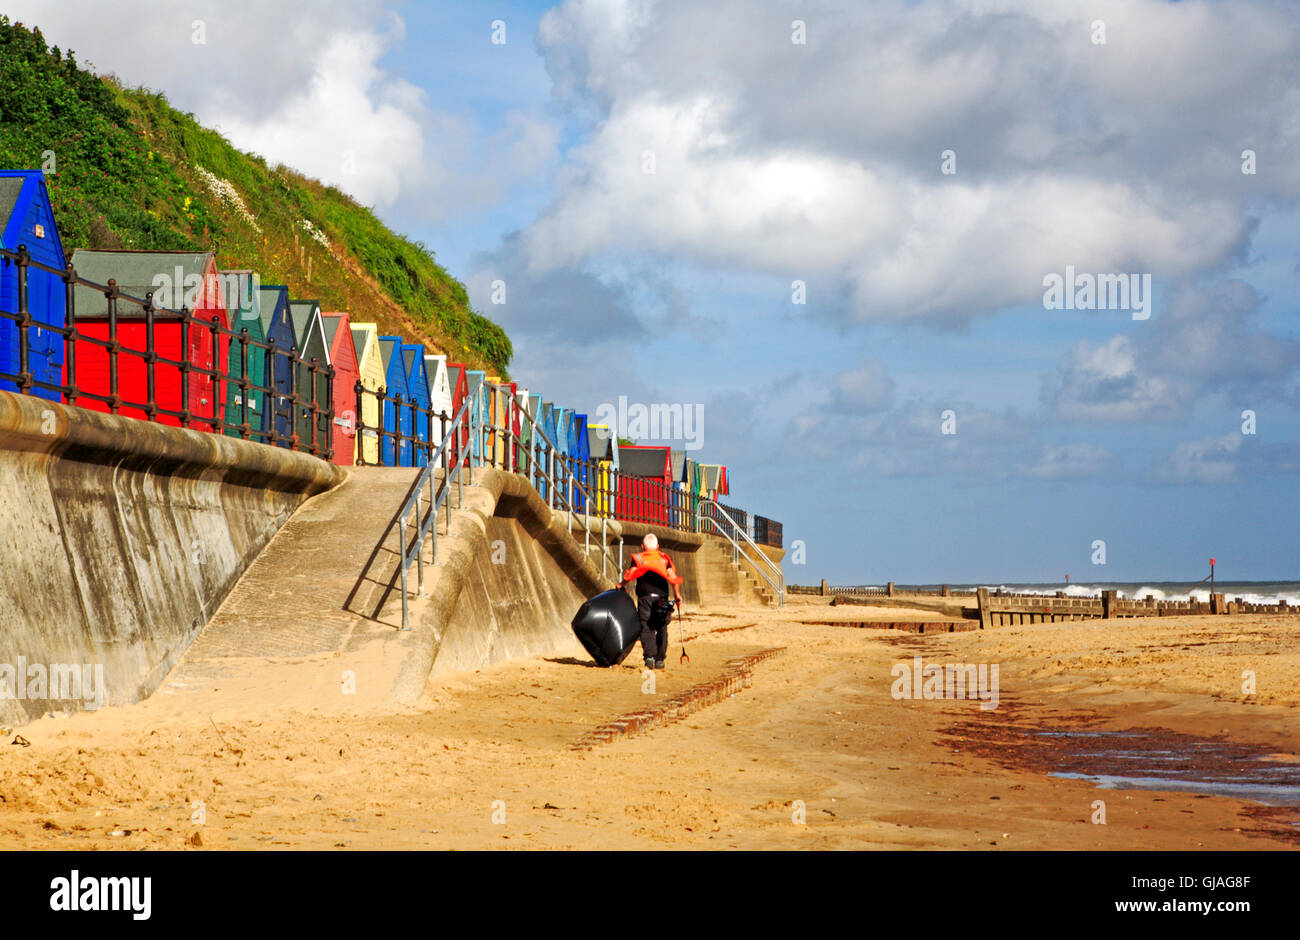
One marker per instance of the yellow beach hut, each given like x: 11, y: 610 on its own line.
x: 370, y: 366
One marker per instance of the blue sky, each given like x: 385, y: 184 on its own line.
x: 820, y: 162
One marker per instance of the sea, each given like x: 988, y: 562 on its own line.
x: 1252, y: 592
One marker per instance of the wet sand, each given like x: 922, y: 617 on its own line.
x: 816, y: 753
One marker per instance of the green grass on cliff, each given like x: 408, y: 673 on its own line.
x: 126, y: 170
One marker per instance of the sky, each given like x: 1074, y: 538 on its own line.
x: 835, y: 227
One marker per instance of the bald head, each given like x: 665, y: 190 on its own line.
x: 650, y: 542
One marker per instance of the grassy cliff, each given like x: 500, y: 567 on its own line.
x: 126, y: 170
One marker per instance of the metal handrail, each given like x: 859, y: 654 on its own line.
x: 779, y: 586
x: 535, y: 465
x: 464, y: 457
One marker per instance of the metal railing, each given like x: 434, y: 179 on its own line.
x: 575, y: 496
x: 104, y: 357
x: 728, y: 528
x: 394, y: 446
x: 413, y: 550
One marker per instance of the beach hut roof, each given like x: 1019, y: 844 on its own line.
x: 600, y: 440
x: 644, y: 461
x: 274, y: 305
x: 135, y: 272
x: 338, y: 337
x: 306, y: 319
x: 24, y: 204
x: 11, y: 189
x: 679, y: 465
x: 242, y: 291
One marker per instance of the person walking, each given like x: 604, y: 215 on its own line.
x: 654, y: 574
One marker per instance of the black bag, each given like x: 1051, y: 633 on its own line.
x: 607, y: 626
x: 661, y: 613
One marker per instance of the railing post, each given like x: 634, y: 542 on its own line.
x: 399, y: 434
x: 114, y: 402
x: 401, y: 534
x: 70, y: 341
x: 442, y: 439
x: 186, y: 365
x: 243, y: 383
x: 24, y: 324
x: 312, y: 371
x: 215, y: 381
x: 419, y: 547
x: 150, y: 358
x: 360, y: 419
x: 329, y: 413
x: 275, y: 397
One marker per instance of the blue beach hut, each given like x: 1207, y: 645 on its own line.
x: 277, y: 325
x: 395, y: 418
x: 546, y: 424
x: 580, y: 451
x: 27, y: 218
x: 417, y: 385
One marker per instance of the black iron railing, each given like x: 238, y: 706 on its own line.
x: 311, y: 414
x: 394, y: 446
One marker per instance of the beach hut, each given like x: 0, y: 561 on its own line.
x: 343, y: 357
x: 523, y: 414
x: 27, y: 218
x: 243, y: 295
x: 511, y: 423
x: 309, y: 330
x: 716, y: 484
x: 370, y: 370
x: 477, y: 381
x: 435, y: 367
x: 546, y: 451
x: 534, y: 409
x: 602, y: 444
x: 561, y: 439
x: 580, y: 453
x: 681, y: 489
x: 417, y: 385
x: 176, y: 279
x: 647, y: 475
x: 458, y: 382
x: 493, y: 439
x: 277, y: 328
x: 397, y: 408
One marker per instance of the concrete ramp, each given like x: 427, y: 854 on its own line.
x: 315, y: 621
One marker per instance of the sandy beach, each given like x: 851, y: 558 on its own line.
x: 816, y: 753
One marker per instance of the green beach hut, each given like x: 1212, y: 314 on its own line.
x: 243, y: 295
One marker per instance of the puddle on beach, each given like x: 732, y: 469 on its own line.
x: 1154, y: 759
x: 1138, y: 760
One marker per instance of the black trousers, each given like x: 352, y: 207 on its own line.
x: 654, y: 629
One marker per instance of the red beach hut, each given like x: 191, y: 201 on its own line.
x: 458, y: 381
x: 343, y: 357
x: 177, y: 279
x: 646, y: 482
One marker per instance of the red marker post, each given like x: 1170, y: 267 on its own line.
x: 1211, y: 576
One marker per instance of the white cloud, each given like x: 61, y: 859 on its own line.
x: 1069, y: 461
x: 823, y: 160
x: 1208, y: 460
x: 306, y: 84
x: 1203, y: 341
x: 350, y: 125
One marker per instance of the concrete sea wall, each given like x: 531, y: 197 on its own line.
x: 120, y: 538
